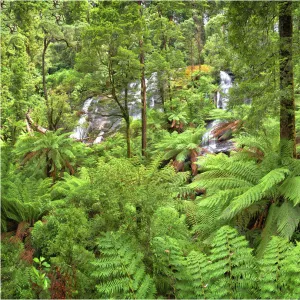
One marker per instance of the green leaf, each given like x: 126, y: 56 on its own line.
x: 36, y: 260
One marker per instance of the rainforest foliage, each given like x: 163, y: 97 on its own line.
x: 150, y: 212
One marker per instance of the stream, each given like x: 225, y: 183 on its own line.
x: 100, y: 115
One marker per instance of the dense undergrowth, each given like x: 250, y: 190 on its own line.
x: 90, y: 221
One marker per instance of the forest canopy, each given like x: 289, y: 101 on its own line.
x: 150, y: 149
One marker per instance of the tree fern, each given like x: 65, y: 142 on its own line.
x: 120, y: 271
x: 51, y: 151
x: 24, y: 200
x: 181, y: 146
x: 241, y: 188
x: 257, y: 192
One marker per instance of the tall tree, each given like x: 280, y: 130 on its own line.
x: 270, y: 88
x: 52, y: 34
x: 113, y: 39
x: 287, y: 100
x: 143, y: 88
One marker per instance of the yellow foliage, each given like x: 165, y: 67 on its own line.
x: 185, y: 76
x: 203, y: 68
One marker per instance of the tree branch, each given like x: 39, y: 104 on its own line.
x: 33, y: 125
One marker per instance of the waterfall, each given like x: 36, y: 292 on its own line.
x: 152, y: 90
x: 103, y: 113
x: 153, y: 97
x: 225, y: 85
x: 210, y: 143
x: 81, y: 130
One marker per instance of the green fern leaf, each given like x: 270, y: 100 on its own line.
x: 120, y: 269
x: 290, y: 274
x: 288, y: 219
x: 270, y: 268
x: 290, y: 189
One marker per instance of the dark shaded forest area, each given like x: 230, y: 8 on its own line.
x: 150, y: 149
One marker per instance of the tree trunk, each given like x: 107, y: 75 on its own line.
x: 143, y: 92
x: 287, y: 100
x: 192, y: 59
x: 128, y: 137
x: 144, y: 109
x: 127, y: 120
x: 162, y: 97
x: 49, y: 107
x: 199, y: 39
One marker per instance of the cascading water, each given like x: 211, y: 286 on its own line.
x: 104, y: 116
x: 225, y: 85
x: 210, y: 143
x: 153, y: 98
x: 81, y: 130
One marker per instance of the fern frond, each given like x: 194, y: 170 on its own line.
x: 270, y: 268
x: 290, y: 189
x: 233, y: 268
x: 255, y: 193
x: 290, y: 274
x: 190, y: 209
x: 231, y: 167
x: 222, y: 198
x: 252, y: 142
x: 288, y: 219
x: 120, y: 269
x: 208, y: 221
x: 198, y: 268
x: 273, y: 178
x: 168, y: 264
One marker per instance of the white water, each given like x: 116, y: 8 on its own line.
x: 209, y: 142
x: 81, y: 130
x: 225, y: 85
x: 104, y: 124
x: 135, y: 95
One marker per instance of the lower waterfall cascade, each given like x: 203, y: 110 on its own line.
x: 210, y: 143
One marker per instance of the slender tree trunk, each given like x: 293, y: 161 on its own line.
x: 169, y: 88
x: 287, y: 100
x: 144, y: 108
x: 143, y: 91
x: 128, y: 137
x: 48, y: 105
x: 123, y: 108
x: 198, y: 22
x: 162, y: 96
x: 127, y: 120
x: 192, y: 59
x: 48, y: 166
